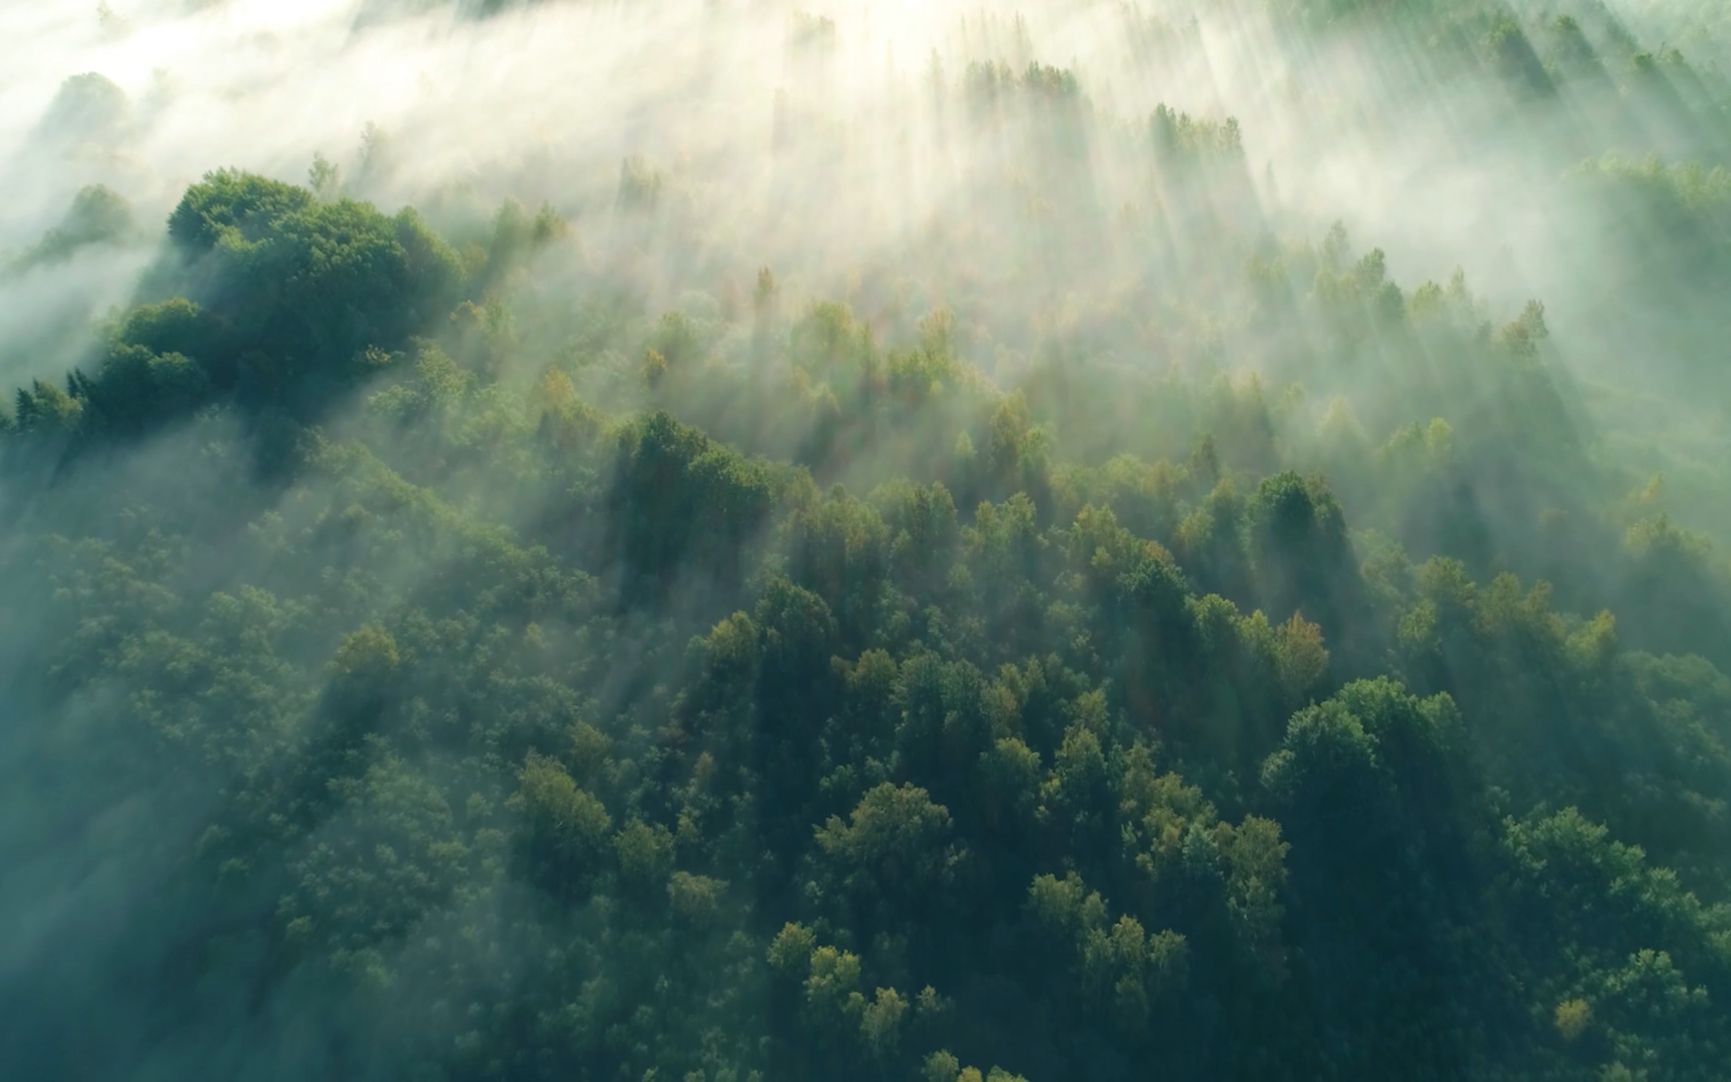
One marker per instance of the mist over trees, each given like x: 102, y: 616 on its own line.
x: 745, y: 541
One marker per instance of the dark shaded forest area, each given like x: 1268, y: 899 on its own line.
x: 1112, y: 627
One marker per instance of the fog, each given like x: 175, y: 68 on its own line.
x: 1018, y: 197
x: 818, y: 148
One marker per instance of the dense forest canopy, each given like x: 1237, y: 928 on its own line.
x: 734, y: 541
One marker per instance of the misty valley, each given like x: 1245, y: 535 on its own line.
x: 741, y: 540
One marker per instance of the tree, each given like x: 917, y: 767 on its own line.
x: 568, y: 827
x: 895, y: 846
x: 304, y: 286
x: 1300, y: 550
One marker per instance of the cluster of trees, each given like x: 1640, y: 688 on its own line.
x: 97, y: 217
x: 520, y: 736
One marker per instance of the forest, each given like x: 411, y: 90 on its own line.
x: 740, y: 540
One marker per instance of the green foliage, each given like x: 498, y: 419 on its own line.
x: 88, y: 108
x: 1234, y: 663
x: 989, y: 83
x: 1178, y: 133
x: 894, y: 844
x: 568, y: 827
x: 301, y: 288
x: 678, y: 497
x: 97, y: 217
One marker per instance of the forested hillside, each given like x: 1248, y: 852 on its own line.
x: 729, y: 541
